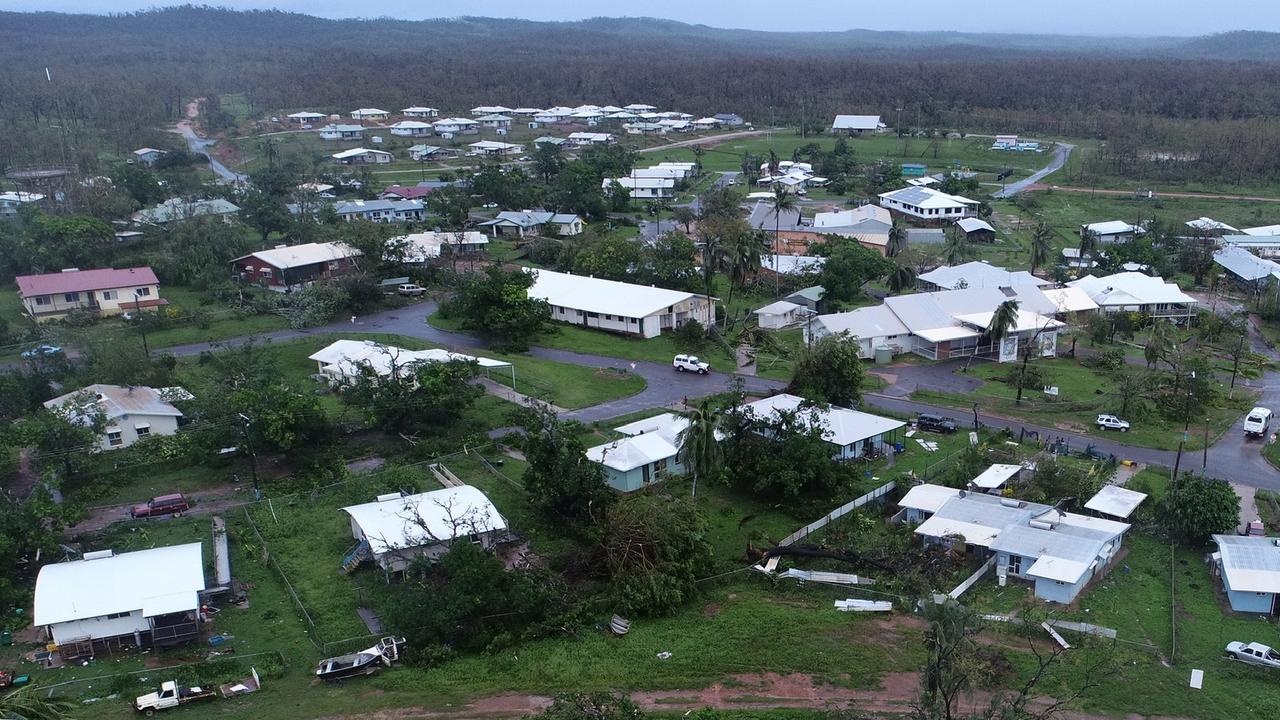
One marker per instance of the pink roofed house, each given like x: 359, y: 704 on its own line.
x: 104, y: 291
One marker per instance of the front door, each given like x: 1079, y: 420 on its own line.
x: 645, y: 473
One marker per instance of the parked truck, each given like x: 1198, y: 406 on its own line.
x: 170, y: 695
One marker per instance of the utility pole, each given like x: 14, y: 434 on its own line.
x: 253, y: 455
x: 137, y: 308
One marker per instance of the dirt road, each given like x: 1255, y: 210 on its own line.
x: 207, y: 502
x: 713, y: 140
x: 1129, y: 193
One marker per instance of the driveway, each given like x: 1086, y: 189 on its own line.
x: 1060, y: 154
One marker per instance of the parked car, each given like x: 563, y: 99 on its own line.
x: 1254, y: 654
x: 491, y: 205
x: 174, y: 505
x: 1255, y: 528
x: 1257, y: 422
x: 935, y: 423
x: 1111, y: 422
x: 41, y: 351
x: 690, y: 363
x: 411, y: 289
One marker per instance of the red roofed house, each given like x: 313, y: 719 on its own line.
x: 401, y: 192
x: 104, y: 291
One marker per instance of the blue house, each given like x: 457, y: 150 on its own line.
x: 645, y: 456
x: 1250, y: 571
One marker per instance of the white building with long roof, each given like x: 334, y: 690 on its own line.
x: 852, y: 433
x: 1136, y: 292
x: 640, y: 310
x: 398, y: 529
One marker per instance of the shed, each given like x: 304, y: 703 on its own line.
x: 781, y: 314
x: 977, y: 230
x: 400, y: 528
x: 1250, y: 572
x: 1115, y: 501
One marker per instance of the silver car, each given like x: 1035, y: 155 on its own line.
x: 1254, y: 654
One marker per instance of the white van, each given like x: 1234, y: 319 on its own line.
x: 1257, y: 422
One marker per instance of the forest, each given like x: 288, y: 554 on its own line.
x: 114, y: 79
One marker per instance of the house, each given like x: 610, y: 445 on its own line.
x: 976, y: 230
x: 1250, y: 572
x: 648, y: 453
x: 371, y: 114
x: 11, y: 201
x: 639, y: 108
x: 145, y: 598
x: 644, y: 188
x: 994, y: 479
x: 1058, y: 552
x: 344, y: 361
x: 175, y: 209
x: 1264, y: 245
x: 422, y: 153
x: 810, y: 297
x: 289, y: 266
x: 1072, y: 259
x: 645, y: 128
x: 305, y: 118
x: 673, y: 125
x: 525, y: 111
x: 324, y: 190
x: 1071, y: 303
x: 510, y: 222
x: 729, y: 119
x: 412, y: 128
x: 341, y: 132
x: 418, y: 111
x: 857, y: 124
x: 1111, y: 231
x: 922, y: 501
x: 1116, y: 501
x: 781, y: 314
x: 869, y: 225
x: 456, y: 126
x: 400, y: 192
x: 494, y: 148
x: 948, y: 323
x: 854, y: 434
x: 977, y: 273
x: 495, y: 122
x: 396, y: 529
x: 580, y: 139
x: 639, y: 310
x: 421, y: 247
x: 381, y: 210
x: 1248, y: 270
x: 148, y: 156
x: 706, y: 123
x: 551, y: 116
x: 1135, y: 292
x: 103, y: 292
x: 1208, y: 227
x: 548, y: 140
x: 131, y: 413
x: 928, y: 204
x: 362, y: 156
x: 489, y: 110
x: 589, y: 116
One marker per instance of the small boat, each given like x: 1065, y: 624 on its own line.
x: 365, y: 662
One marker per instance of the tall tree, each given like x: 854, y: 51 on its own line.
x: 780, y: 202
x: 495, y: 304
x: 829, y: 371
x: 902, y: 278
x: 1040, y: 245
x: 562, y: 483
x: 897, y: 238
x: 700, y: 449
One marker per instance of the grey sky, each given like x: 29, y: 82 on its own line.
x: 1093, y: 17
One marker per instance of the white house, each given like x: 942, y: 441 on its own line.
x: 184, y: 209
x: 148, y: 156
x: 418, y: 111
x: 132, y: 413
x: 874, y: 327
x: 854, y: 434
x: 306, y: 118
x: 647, y: 454
x: 420, y: 247
x: 511, y: 222
x: 1250, y: 572
x: 1135, y: 292
x: 1209, y: 226
x: 706, y: 123
x: 620, y: 307
x: 145, y: 598
x: 380, y: 210
x: 590, y: 138
x: 371, y: 114
x: 1111, y: 231
x: 456, y: 126
x: 1058, y: 552
x: 396, y: 529
x: 1248, y: 269
x: 490, y: 110
x: 493, y: 147
x: 781, y: 314
x: 495, y: 122
x: 362, y: 156
x: 639, y: 108
x: 928, y: 204
x: 344, y: 361
x: 412, y: 128
x: 857, y: 124
x: 922, y: 501
x: 644, y: 188
x: 342, y: 132
x: 10, y: 201
x: 1118, y: 502
x: 977, y: 273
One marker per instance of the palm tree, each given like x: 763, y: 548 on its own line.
x: 26, y: 704
x: 955, y: 249
x: 902, y: 278
x: 741, y: 257
x: 700, y: 452
x: 773, y: 161
x: 1040, y: 248
x: 1158, y: 344
x: 781, y: 201
x: 1088, y: 244
x: 897, y: 238
x: 1003, y: 320
x: 712, y: 259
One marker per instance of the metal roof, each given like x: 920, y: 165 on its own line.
x: 629, y: 453
x: 974, y: 224
x: 1111, y: 227
x: 927, y: 498
x: 162, y: 580
x: 996, y: 476
x: 840, y: 426
x: 608, y: 297
x: 979, y: 274
x: 426, y: 518
x: 115, y: 401
x: 1245, y: 265
x: 780, y: 307
x: 1115, y: 501
x: 923, y: 197
x: 1131, y: 288
x: 856, y: 122
x: 283, y: 258
x: 1250, y: 564
x: 84, y: 281
x: 866, y: 323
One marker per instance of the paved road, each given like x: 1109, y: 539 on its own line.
x: 200, y: 145
x: 1060, y: 155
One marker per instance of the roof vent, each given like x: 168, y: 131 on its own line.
x: 962, y: 493
x: 98, y: 554
x: 389, y: 496
x: 1010, y: 502
x: 70, y: 270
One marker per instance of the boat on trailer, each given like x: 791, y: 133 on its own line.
x: 365, y: 662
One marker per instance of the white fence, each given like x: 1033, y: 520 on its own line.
x: 837, y: 514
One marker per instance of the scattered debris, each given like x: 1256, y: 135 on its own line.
x: 664, y: 655
x: 1197, y: 679
x: 620, y: 625
x: 242, y: 687
x: 1056, y: 637
x: 826, y: 577
x: 854, y: 605
x: 928, y: 445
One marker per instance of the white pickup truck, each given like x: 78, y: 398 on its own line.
x: 170, y: 695
x: 690, y: 363
x: 1257, y: 422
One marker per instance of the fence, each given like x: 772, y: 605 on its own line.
x: 837, y: 514
x: 313, y: 634
x: 105, y: 684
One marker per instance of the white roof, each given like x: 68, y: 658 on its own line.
x: 418, y: 108
x: 490, y: 109
x: 1059, y: 569
x: 410, y: 125
x: 927, y: 498
x: 996, y: 476
x: 115, y: 401
x: 1070, y: 299
x: 781, y: 307
x: 369, y: 111
x: 348, y: 358
x: 840, y: 426
x: 979, y: 274
x: 856, y: 122
x: 419, y: 247
x: 973, y: 533
x: 147, y: 151
x: 306, y: 115
x: 1250, y: 564
x: 928, y: 198
x: 629, y: 453
x: 943, y: 334
x: 668, y: 425
x: 792, y: 264
x: 641, y: 182
x: 21, y: 196
x: 1111, y: 227
x: 291, y: 256
x: 1131, y: 288
x: 425, y: 518
x: 974, y: 224
x: 1262, y: 231
x: 847, y: 218
x: 1024, y: 321
x: 1115, y: 501
x: 603, y: 296
x: 493, y: 145
x: 1244, y: 264
x: 357, y: 152
x: 1209, y: 224
x: 454, y: 121
x: 160, y: 580
x: 867, y: 322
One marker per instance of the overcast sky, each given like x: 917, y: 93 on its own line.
x: 1094, y: 17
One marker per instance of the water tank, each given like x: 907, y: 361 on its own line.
x: 884, y: 355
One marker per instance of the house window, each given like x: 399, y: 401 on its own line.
x: 43, y: 300
x: 334, y: 265
x: 71, y: 297
x: 265, y: 272
x: 117, y: 616
x: 114, y: 439
x: 142, y: 292
x: 110, y: 294
x: 143, y: 430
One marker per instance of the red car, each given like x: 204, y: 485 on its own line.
x: 174, y: 504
